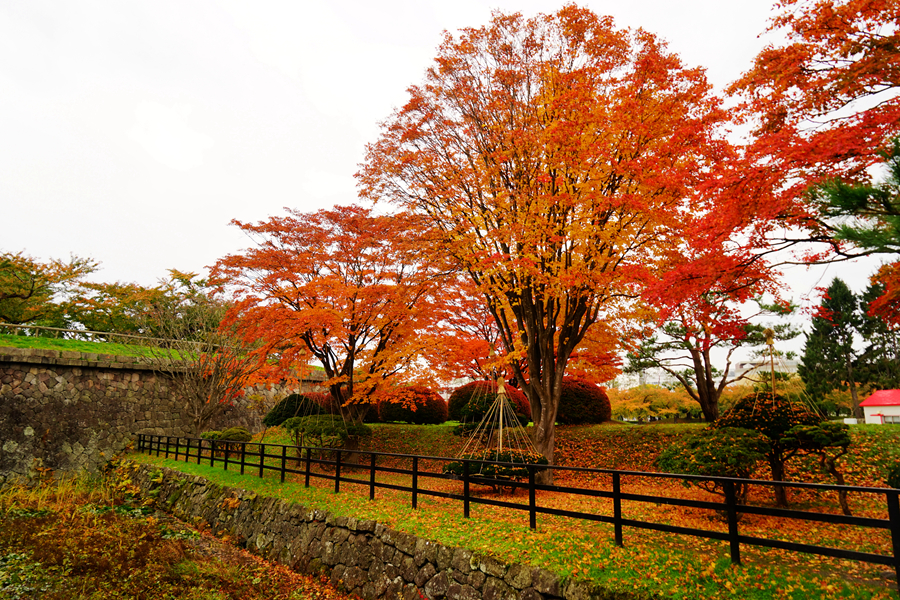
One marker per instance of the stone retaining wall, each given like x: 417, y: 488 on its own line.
x: 73, y: 411
x: 363, y: 558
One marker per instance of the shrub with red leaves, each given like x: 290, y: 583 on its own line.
x: 582, y: 402
x: 481, y: 391
x: 414, y: 404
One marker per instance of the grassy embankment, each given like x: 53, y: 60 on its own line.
x: 649, y: 563
x: 49, y: 343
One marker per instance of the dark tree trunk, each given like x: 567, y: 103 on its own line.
x: 776, y: 463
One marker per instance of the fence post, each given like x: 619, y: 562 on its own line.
x: 337, y: 472
x: 894, y: 516
x: 532, y: 501
x: 158, y: 444
x: 466, y: 489
x: 262, y: 459
x: 199, y: 450
x: 283, y: 461
x: 167, y: 446
x: 187, y: 451
x: 415, y: 482
x: 617, y: 507
x: 731, y: 505
x: 372, y: 478
x: 177, y: 447
x: 243, y: 455
x: 140, y: 442
x: 212, y: 452
x: 308, y: 462
x: 226, y: 445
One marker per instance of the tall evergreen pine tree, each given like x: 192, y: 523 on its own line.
x: 828, y: 360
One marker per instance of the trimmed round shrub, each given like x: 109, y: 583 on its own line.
x: 484, y: 393
x: 295, y: 405
x: 235, y: 434
x: 414, y: 404
x: 582, y: 402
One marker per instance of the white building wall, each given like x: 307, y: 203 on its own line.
x: 873, y: 413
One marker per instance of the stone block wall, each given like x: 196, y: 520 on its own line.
x: 361, y: 557
x: 70, y: 411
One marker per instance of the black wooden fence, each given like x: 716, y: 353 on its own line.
x: 259, y: 458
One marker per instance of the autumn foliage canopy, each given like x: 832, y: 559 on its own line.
x: 560, y: 159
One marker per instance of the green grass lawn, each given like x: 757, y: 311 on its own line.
x: 47, y: 343
x: 650, y: 563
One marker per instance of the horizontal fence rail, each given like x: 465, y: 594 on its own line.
x: 259, y: 458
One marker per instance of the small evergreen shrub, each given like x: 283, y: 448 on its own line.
x: 323, y: 431
x: 582, y: 402
x: 722, y: 452
x: 414, y: 404
x: 518, y: 457
x: 295, y: 405
x: 235, y: 434
x: 211, y: 435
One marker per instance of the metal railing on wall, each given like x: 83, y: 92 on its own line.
x: 260, y: 458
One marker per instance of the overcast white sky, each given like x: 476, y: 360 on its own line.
x: 133, y: 132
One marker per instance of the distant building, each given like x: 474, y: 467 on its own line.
x: 761, y: 365
x: 882, y: 407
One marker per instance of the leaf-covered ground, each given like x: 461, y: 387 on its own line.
x: 86, y: 540
x: 650, y: 563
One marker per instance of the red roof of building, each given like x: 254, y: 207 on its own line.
x: 882, y: 398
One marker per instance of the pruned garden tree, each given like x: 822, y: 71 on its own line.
x: 557, y: 156
x: 347, y: 288
x: 773, y: 416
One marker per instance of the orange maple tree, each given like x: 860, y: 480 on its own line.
x: 469, y: 337
x: 558, y: 157
x: 345, y: 287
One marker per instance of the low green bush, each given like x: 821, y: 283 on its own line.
x: 520, y: 458
x: 324, y: 431
x: 235, y: 434
x: 722, y: 452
